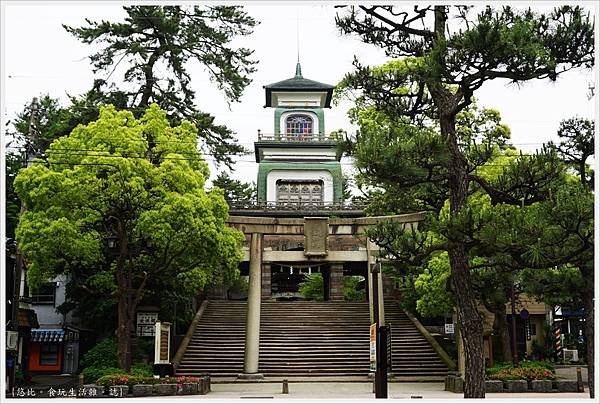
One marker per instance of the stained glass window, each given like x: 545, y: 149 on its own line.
x: 298, y: 125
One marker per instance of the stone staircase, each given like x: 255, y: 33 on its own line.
x: 303, y: 339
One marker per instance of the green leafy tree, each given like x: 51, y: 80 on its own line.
x: 431, y: 286
x: 235, y: 190
x: 449, y: 53
x: 354, y: 290
x: 14, y: 162
x: 156, y: 45
x: 311, y: 287
x: 120, y: 206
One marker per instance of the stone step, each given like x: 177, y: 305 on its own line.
x: 304, y: 339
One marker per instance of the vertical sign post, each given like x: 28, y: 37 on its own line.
x: 373, y: 348
x: 162, y: 346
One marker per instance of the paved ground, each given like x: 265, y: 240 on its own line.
x: 348, y: 390
x: 46, y: 381
x: 570, y: 372
x: 354, y: 392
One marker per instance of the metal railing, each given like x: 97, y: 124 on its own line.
x: 298, y: 137
x: 290, y: 206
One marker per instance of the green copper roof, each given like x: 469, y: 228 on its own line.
x: 299, y: 84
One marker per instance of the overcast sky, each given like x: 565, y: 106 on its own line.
x: 40, y: 57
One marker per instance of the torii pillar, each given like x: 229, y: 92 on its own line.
x: 252, y: 345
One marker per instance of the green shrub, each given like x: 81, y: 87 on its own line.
x: 239, y: 285
x: 91, y: 373
x: 311, y: 288
x: 528, y: 370
x: 142, y: 369
x: 143, y: 350
x: 102, y: 355
x: 125, y: 379
x: 523, y: 373
x: 130, y: 380
x: 351, y: 294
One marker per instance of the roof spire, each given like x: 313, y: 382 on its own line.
x: 298, y: 68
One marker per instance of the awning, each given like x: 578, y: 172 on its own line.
x: 45, y: 335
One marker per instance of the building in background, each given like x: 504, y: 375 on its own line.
x: 54, y: 346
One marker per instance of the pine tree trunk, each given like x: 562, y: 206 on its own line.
x: 468, y: 316
x: 587, y: 272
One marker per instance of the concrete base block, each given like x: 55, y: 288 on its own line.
x: 494, y: 386
x: 250, y: 376
x: 516, y: 386
x: 204, y: 385
x: 567, y: 386
x: 118, y: 391
x: 142, y: 390
x: 459, y: 385
x: 449, y: 383
x: 454, y: 383
x: 165, y: 389
x: 541, y: 386
x: 93, y: 390
x: 188, y: 389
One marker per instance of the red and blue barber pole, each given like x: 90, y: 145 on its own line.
x: 557, y: 343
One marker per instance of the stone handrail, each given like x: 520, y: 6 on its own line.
x: 188, y: 335
x: 434, y: 344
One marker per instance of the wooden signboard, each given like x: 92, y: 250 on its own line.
x: 162, y: 342
x: 145, y: 323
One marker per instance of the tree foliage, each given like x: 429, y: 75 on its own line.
x: 139, y: 183
x: 235, y: 190
x: 576, y: 146
x: 447, y: 53
x: 311, y: 288
x: 157, y: 45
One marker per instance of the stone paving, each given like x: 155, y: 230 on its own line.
x: 356, y: 392
x: 348, y: 392
x: 352, y: 391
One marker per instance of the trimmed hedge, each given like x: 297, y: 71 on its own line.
x: 130, y: 380
x: 527, y: 370
x: 91, y: 374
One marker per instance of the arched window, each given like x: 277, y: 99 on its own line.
x: 298, y: 125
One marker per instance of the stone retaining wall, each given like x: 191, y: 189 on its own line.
x: 455, y: 384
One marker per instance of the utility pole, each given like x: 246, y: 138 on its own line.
x: 30, y: 153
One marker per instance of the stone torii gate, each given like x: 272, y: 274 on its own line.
x: 316, y: 231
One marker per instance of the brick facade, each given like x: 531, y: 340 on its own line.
x: 336, y: 282
x: 265, y: 290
